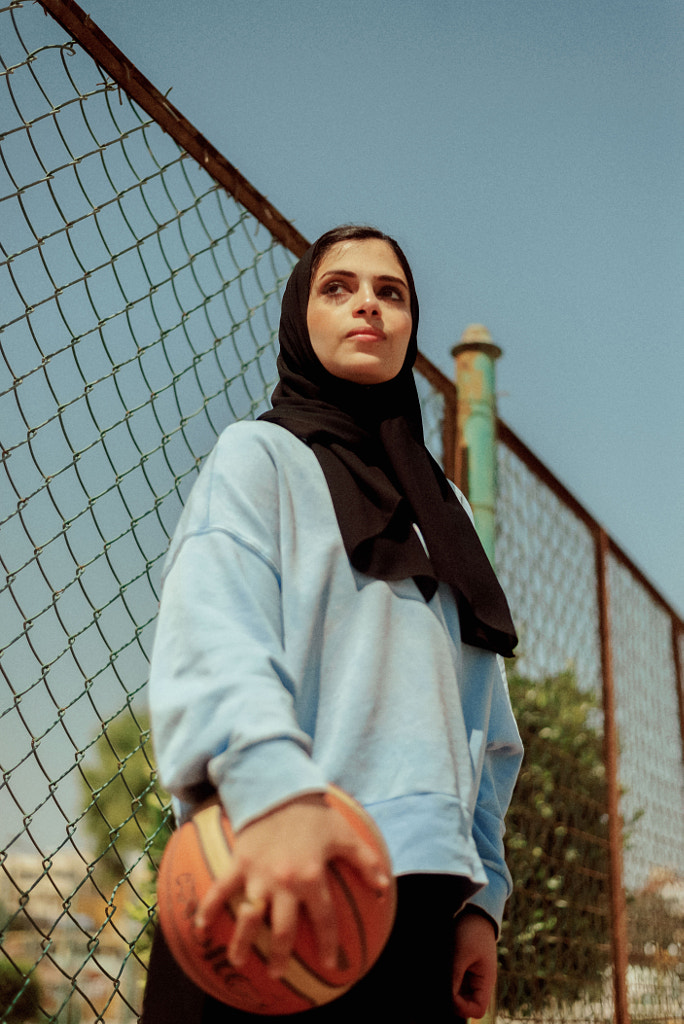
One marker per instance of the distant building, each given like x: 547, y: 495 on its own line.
x: 76, y: 938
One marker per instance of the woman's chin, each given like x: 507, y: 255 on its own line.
x: 365, y: 369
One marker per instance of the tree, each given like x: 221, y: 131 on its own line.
x: 555, y: 942
x: 127, y: 810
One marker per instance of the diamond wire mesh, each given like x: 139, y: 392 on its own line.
x: 546, y: 559
x: 647, y: 714
x: 138, y: 309
x: 553, y: 969
x: 139, y: 306
x: 432, y: 407
x: 652, y: 778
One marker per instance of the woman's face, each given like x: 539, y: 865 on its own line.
x: 359, y: 312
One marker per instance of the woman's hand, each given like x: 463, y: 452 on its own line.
x: 474, y: 972
x: 279, y: 863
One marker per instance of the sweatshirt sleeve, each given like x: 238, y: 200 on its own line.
x: 221, y: 693
x: 502, y: 758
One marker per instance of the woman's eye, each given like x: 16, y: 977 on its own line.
x: 334, y: 288
x: 390, y: 292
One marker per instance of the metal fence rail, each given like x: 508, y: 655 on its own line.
x: 140, y: 283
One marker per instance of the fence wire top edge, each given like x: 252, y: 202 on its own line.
x: 514, y: 443
x: 81, y: 27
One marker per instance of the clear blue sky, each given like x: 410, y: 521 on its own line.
x: 528, y: 154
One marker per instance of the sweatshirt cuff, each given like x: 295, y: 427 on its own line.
x: 262, y: 777
x: 491, y: 900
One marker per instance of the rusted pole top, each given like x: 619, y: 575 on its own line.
x: 475, y: 356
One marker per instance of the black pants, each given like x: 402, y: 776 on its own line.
x: 409, y: 984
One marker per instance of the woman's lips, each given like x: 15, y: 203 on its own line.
x: 367, y: 332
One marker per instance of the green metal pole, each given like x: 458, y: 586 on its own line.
x: 476, y: 356
x: 475, y: 469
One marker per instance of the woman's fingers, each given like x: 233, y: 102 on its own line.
x: 212, y: 903
x: 280, y: 870
x: 320, y: 910
x: 283, y: 912
x: 474, y: 967
x: 284, y: 920
x: 248, y: 921
x: 366, y: 861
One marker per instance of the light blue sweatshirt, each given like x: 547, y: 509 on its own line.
x: 277, y: 668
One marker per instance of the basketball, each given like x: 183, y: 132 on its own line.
x: 199, y: 852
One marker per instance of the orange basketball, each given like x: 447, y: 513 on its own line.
x: 200, y: 850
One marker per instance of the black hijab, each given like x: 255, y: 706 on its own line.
x: 368, y: 440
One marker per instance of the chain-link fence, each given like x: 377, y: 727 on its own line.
x: 139, y: 301
x: 593, y: 662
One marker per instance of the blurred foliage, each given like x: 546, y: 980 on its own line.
x: 656, y: 922
x: 13, y: 983
x: 128, y: 815
x: 127, y: 811
x: 555, y: 939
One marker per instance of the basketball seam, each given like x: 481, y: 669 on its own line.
x: 360, y: 926
x: 170, y: 925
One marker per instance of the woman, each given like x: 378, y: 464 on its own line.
x: 328, y: 615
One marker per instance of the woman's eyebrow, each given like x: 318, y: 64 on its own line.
x: 390, y: 278
x: 338, y: 273
x: 393, y: 280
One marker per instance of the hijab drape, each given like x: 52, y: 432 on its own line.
x: 368, y: 440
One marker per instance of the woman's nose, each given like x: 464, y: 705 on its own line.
x: 367, y: 302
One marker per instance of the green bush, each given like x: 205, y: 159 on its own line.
x: 555, y: 942
x: 15, y: 981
